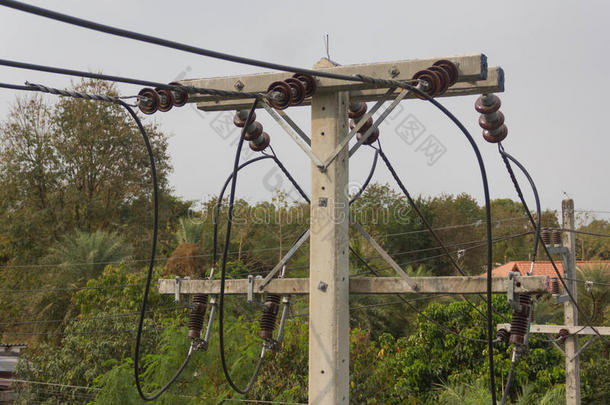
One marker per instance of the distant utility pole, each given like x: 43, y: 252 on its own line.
x: 570, y: 330
x: 570, y: 313
x: 329, y: 284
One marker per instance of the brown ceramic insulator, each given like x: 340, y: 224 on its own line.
x: 444, y: 76
x: 166, y: 99
x: 357, y: 110
x: 491, y: 125
x: 269, y: 317
x: 562, y: 335
x: 260, y: 143
x: 502, y: 335
x: 545, y: 235
x: 364, y: 127
x: 180, y: 96
x: 298, y: 90
x: 496, y: 135
x: 241, y: 116
x: 253, y: 131
x: 556, y: 237
x: 450, y: 68
x: 282, y: 95
x: 487, y: 104
x: 308, y: 81
x: 149, y: 103
x: 432, y: 80
x: 555, y: 286
x: 372, y: 137
x: 520, y: 321
x: 200, y: 303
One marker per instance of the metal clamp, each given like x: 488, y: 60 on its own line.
x: 177, y: 284
x: 513, y: 299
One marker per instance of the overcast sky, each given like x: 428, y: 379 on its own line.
x: 555, y: 56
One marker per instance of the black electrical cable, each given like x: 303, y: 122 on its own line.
x: 509, y: 382
x: 136, y: 361
x: 120, y: 79
x: 225, y: 252
x: 477, y: 152
x: 557, y: 272
x: 176, y: 45
x: 537, y: 227
x: 368, y: 179
x: 429, y: 228
x: 153, y: 245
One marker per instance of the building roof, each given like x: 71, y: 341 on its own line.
x: 541, y: 268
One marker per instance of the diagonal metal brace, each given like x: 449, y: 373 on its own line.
x: 284, y: 259
x: 384, y: 254
x: 292, y: 129
x: 387, y: 96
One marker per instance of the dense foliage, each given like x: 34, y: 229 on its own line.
x: 74, y: 237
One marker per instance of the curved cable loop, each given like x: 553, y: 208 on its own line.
x: 156, y: 395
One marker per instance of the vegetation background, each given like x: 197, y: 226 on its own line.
x: 75, y: 230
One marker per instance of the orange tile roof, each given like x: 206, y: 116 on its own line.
x: 541, y: 268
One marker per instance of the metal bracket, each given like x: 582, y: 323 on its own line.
x: 513, y: 299
x: 178, y: 281
x: 562, y: 298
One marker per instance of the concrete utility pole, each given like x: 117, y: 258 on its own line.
x: 329, y: 253
x: 568, y: 240
x: 329, y: 284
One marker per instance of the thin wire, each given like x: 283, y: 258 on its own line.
x: 442, y: 228
x: 92, y: 318
x: 586, y: 281
x: 603, y: 235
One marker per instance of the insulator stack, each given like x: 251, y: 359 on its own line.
x: 562, y: 335
x: 555, y: 286
x: 355, y: 112
x: 545, y: 235
x: 200, y: 303
x: 269, y: 317
x: 438, y: 78
x: 502, y: 335
x: 556, y: 237
x: 520, y: 321
x: 258, y: 139
x: 491, y: 119
x: 152, y: 100
x: 292, y: 91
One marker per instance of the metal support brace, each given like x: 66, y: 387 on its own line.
x: 384, y: 254
x: 583, y: 347
x: 284, y: 259
x: 291, y: 128
x: 359, y: 124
